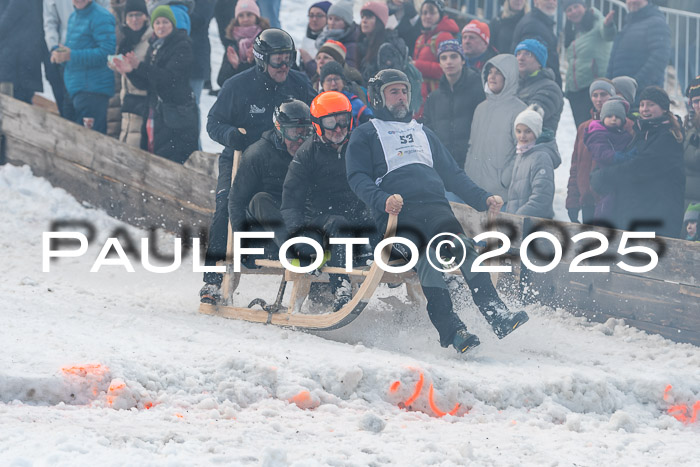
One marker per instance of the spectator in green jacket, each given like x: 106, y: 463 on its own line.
x: 588, y: 40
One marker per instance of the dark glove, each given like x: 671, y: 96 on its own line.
x: 236, y: 140
x: 573, y: 215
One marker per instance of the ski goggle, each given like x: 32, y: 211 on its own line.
x: 280, y: 60
x: 296, y: 133
x: 331, y: 122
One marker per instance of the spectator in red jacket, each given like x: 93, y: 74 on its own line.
x: 437, y: 28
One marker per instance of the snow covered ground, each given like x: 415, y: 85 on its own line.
x: 118, y: 368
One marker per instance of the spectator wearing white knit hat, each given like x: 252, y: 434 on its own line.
x: 531, y: 190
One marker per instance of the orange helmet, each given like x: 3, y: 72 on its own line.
x: 329, y: 110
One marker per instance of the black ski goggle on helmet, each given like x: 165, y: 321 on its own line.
x: 296, y: 133
x: 340, y: 120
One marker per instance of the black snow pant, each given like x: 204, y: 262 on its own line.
x: 218, y: 232
x: 420, y: 223
x: 581, y: 106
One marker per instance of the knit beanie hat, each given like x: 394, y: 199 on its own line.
x: 602, y: 84
x: 335, y: 49
x: 536, y: 48
x: 480, y: 29
x: 567, y: 3
x: 247, y: 5
x: 135, y: 5
x: 693, y: 88
x: 692, y: 214
x: 343, y: 10
x: 627, y: 87
x: 332, y: 68
x: 321, y: 5
x: 163, y: 11
x: 656, y: 95
x: 450, y: 45
x: 439, y: 4
x: 531, y: 118
x: 380, y: 10
x: 615, y: 106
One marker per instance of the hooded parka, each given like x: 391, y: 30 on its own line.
x: 492, y: 146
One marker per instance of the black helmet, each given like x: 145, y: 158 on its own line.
x: 292, y: 120
x: 380, y: 81
x: 272, y: 41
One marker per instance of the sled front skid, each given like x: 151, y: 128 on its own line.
x: 326, y: 321
x: 323, y: 322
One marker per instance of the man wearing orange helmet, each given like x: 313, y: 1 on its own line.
x: 317, y: 201
x: 393, y: 154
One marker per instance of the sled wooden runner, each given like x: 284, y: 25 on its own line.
x: 292, y: 318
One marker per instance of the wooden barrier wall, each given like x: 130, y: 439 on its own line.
x: 126, y: 182
x: 665, y: 300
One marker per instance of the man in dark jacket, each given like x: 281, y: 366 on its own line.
x: 395, y: 165
x: 537, y: 84
x: 317, y: 201
x: 450, y: 108
x: 539, y: 24
x: 246, y: 102
x: 21, y: 47
x: 256, y: 193
x: 642, y: 48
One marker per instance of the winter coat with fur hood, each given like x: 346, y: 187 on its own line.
x: 492, y: 146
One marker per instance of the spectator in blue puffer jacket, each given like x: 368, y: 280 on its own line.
x: 642, y: 48
x: 90, y: 83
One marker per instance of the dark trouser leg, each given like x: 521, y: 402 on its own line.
x: 54, y: 75
x: 265, y: 210
x: 502, y: 320
x: 336, y: 226
x: 485, y: 296
x: 66, y: 106
x: 23, y: 94
x: 218, y: 232
x: 91, y: 105
x: 581, y: 106
x: 588, y: 214
x: 439, y: 306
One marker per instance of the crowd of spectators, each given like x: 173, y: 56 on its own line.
x: 492, y: 91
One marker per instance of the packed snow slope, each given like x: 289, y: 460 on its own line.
x: 119, y: 368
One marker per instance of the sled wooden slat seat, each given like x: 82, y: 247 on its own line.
x: 326, y: 321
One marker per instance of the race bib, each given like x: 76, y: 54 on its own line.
x: 403, y: 144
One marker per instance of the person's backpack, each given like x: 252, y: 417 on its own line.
x: 389, y: 56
